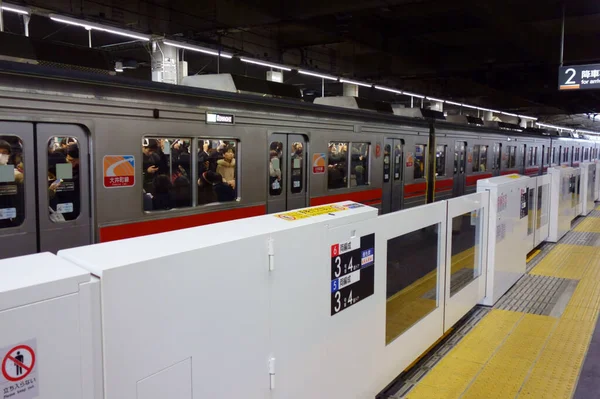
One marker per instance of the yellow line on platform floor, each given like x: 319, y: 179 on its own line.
x: 519, y: 355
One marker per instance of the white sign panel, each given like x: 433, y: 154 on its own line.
x: 19, y: 377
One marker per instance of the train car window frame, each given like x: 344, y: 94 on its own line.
x: 420, y: 162
x: 359, y: 163
x: 275, y: 168
x: 221, y: 161
x: 586, y: 154
x: 12, y: 182
x: 440, y: 160
x: 64, y: 180
x: 342, y: 164
x: 512, y: 156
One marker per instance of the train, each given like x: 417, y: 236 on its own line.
x: 92, y: 158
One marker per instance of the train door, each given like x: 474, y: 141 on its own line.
x: 44, y: 188
x: 460, y: 167
x: 497, y: 161
x: 287, y: 183
x: 393, y: 178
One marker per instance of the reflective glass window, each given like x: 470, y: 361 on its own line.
x: 586, y: 155
x: 480, y: 158
x: 64, y: 182
x: 530, y: 157
x: 217, y: 170
x: 359, y: 164
x: 440, y: 160
x: 419, y: 163
x: 387, y: 163
x: 12, y: 182
x: 337, y: 165
x: 398, y: 162
x: 296, y: 167
x: 512, y: 156
x: 275, y: 165
x: 465, y: 261
x: 412, y: 263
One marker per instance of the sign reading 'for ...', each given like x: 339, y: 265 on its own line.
x: 579, y: 77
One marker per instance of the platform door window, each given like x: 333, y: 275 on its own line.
x: 64, y: 184
x: 420, y: 159
x: 359, y: 164
x: 337, y: 165
x: 465, y: 264
x: 412, y: 279
x: 440, y: 160
x: 512, y: 156
x: 167, y: 172
x: 12, y: 179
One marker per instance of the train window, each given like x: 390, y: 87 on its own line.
x: 387, y: 159
x: 419, y: 166
x: 530, y: 158
x: 412, y: 279
x: 576, y: 154
x: 337, y: 169
x: 440, y: 160
x: 275, y: 162
x: 512, y: 156
x: 166, y: 171
x: 535, y: 156
x: 566, y: 155
x: 12, y: 179
x: 296, y: 167
x: 553, y: 154
x: 586, y: 154
x: 359, y: 164
x: 398, y: 162
x: 480, y: 158
x: 497, y: 156
x: 217, y: 170
x: 64, y: 188
x: 548, y: 156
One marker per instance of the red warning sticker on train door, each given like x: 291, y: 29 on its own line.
x: 18, y: 379
x: 119, y: 171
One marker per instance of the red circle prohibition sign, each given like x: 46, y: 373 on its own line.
x: 27, y: 369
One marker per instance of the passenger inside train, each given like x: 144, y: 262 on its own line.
x: 64, y: 198
x: 11, y: 182
x: 167, y: 173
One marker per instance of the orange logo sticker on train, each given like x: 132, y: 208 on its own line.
x: 318, y: 163
x: 119, y: 171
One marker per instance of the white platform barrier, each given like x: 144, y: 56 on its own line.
x: 563, y: 202
x: 597, y: 187
x: 588, y: 186
x: 306, y: 304
x: 508, y: 232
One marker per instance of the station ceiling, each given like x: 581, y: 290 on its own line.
x: 501, y: 54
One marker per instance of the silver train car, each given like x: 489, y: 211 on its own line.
x: 88, y: 158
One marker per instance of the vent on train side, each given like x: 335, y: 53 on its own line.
x: 33, y: 51
x: 538, y: 131
x: 504, y: 125
x: 355, y: 103
x: 242, y: 84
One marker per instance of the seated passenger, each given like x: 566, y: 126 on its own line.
x: 206, y: 194
x: 223, y: 191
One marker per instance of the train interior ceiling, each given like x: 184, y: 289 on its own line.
x: 90, y: 157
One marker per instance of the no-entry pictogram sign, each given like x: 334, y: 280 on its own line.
x: 18, y: 363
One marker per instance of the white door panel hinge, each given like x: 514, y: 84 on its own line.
x: 271, y: 252
x: 272, y: 373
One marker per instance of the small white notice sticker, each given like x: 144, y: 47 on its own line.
x: 18, y: 366
x: 64, y: 208
x: 8, y: 213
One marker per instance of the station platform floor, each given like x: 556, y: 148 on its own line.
x: 541, y: 340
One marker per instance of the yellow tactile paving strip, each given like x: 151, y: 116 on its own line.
x: 518, y: 355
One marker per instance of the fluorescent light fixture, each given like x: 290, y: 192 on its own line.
x: 92, y: 25
x: 555, y: 127
x: 389, y: 89
x: 484, y: 109
x: 354, y: 82
x: 16, y: 9
x: 412, y: 94
x: 317, y: 75
x: 197, y: 48
x: 434, y: 99
x: 266, y: 64
x: 454, y: 103
x: 470, y: 106
x: 509, y: 114
x: 587, y: 131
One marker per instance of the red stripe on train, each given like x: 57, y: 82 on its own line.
x: 368, y: 197
x: 112, y: 233
x: 444, y: 185
x: 415, y: 190
x: 472, y: 180
x: 509, y: 172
